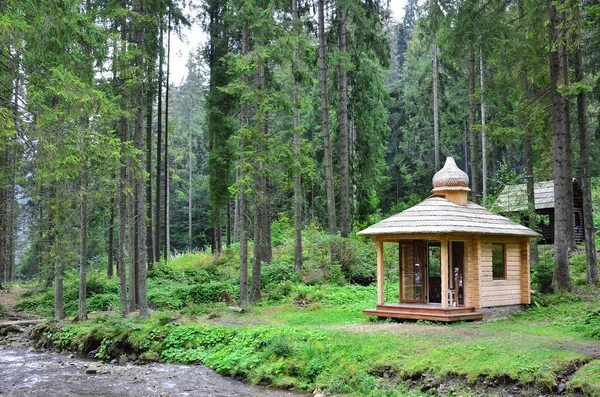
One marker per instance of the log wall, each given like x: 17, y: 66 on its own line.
x: 508, y: 291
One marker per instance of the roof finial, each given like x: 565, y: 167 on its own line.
x: 451, y: 183
x: 450, y: 177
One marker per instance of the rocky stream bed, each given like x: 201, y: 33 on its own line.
x: 25, y: 372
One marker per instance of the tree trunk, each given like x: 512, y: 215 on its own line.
x: 228, y: 241
x: 149, y: 231
x: 111, y: 237
x: 12, y: 220
x: 59, y: 311
x: 159, y: 112
x: 560, y: 142
x: 167, y: 207
x: 121, y: 265
x: 331, y: 216
x: 167, y: 173
x: 483, y: 131
x: 531, y: 216
x: 142, y: 224
x: 296, y: 148
x: 591, y: 274
x: 528, y: 161
x: 474, y: 155
x: 132, y: 209
x: 236, y: 214
x: 262, y: 216
x: 3, y: 210
x: 343, y: 138
x: 190, y: 155
x: 13, y: 205
x: 81, y: 307
x: 436, y: 107
x: 244, y: 298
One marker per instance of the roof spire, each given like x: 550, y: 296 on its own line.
x: 451, y: 182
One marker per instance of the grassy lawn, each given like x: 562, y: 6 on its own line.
x: 329, y: 344
x: 314, y: 335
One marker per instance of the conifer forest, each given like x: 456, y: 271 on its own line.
x: 295, y: 118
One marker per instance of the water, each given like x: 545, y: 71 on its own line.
x: 24, y: 372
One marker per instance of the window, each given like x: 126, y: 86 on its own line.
x: 498, y: 261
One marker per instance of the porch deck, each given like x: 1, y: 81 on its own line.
x: 430, y: 312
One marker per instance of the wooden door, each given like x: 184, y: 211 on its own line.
x: 412, y: 272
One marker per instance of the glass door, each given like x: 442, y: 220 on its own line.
x: 434, y: 271
x: 412, y: 272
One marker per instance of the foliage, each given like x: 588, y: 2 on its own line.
x: 587, y: 379
x: 542, y: 273
x: 301, y: 342
x: 340, y: 361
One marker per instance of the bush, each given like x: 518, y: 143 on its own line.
x: 211, y: 292
x: 3, y: 310
x: 275, y: 273
x: 167, y: 296
x: 543, y: 272
x: 357, y: 261
x: 103, y: 302
x: 554, y: 300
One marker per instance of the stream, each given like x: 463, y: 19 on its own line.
x: 24, y: 372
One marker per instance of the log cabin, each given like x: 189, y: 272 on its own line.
x: 513, y: 199
x: 457, y: 260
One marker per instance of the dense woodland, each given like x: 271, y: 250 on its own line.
x: 326, y: 114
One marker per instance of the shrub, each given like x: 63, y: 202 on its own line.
x: 210, y: 292
x: 280, y: 291
x: 356, y: 260
x: 275, y: 273
x: 543, y: 272
x: 103, y: 302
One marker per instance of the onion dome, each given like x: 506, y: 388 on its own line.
x: 450, y: 178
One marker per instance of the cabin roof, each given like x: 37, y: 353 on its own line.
x: 438, y: 215
x: 514, y: 197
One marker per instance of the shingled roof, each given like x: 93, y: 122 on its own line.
x: 448, y: 211
x: 438, y: 215
x: 514, y: 197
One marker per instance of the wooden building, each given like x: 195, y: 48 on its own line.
x: 456, y: 258
x: 514, y: 199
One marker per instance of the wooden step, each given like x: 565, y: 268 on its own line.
x: 428, y: 309
x: 425, y: 315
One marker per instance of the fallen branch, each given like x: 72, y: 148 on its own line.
x: 20, y: 322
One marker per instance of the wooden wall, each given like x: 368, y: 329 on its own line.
x: 471, y: 273
x: 509, y: 291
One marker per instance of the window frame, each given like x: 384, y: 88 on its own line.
x: 503, y: 276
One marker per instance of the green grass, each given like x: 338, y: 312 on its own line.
x: 316, y: 345
x: 587, y: 379
x: 340, y: 361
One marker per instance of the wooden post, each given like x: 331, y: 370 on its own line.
x: 444, y: 272
x: 525, y: 281
x: 380, y: 295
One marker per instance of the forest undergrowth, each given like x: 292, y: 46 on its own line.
x: 309, y: 332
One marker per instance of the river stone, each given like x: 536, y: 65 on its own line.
x: 150, y: 357
x: 123, y: 360
x: 14, y: 329
x: 561, y: 388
